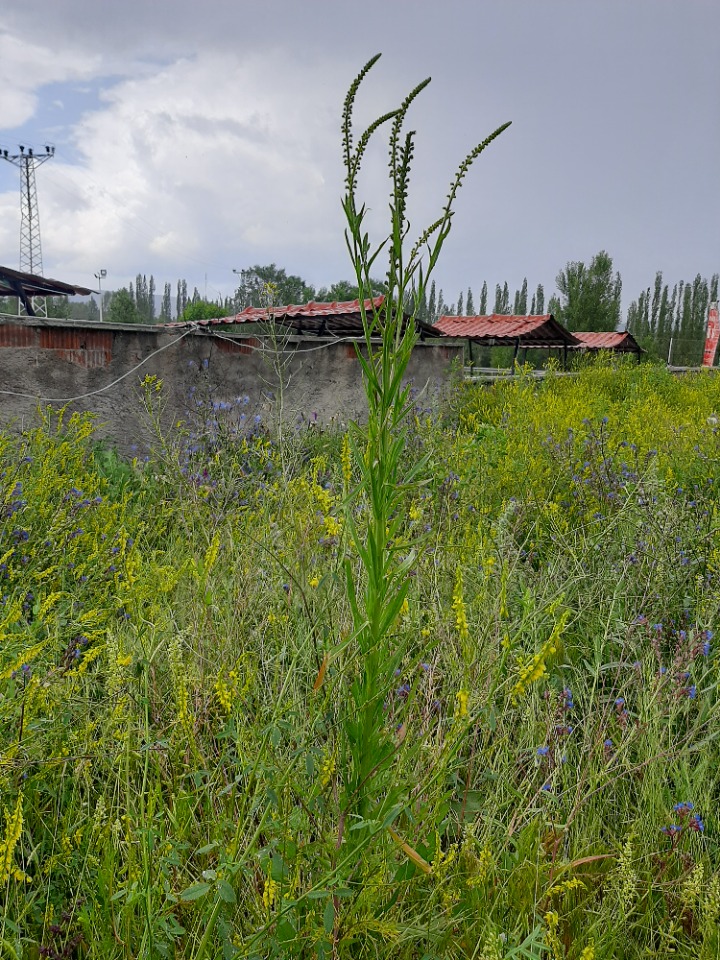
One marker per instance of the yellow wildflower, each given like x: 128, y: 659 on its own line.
x: 270, y: 892
x: 13, y: 829
x: 458, y: 605
x: 461, y: 703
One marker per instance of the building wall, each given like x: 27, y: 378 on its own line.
x: 94, y: 367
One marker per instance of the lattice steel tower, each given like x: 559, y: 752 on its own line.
x: 30, y: 245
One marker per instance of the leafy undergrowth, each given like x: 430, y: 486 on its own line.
x: 177, y: 660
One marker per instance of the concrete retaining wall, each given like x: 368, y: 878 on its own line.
x: 51, y: 362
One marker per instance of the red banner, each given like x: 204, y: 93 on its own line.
x: 713, y: 335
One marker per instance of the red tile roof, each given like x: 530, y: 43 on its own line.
x: 339, y: 318
x: 502, y: 330
x: 622, y: 341
x: 338, y: 308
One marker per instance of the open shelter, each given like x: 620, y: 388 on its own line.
x: 618, y: 341
x: 340, y: 318
x: 25, y: 286
x: 524, y: 333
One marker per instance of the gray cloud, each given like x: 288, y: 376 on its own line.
x: 614, y: 143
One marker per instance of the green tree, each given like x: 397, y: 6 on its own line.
x: 151, y: 300
x: 342, y: 290
x: 145, y: 298
x: 469, y: 304
x: 540, y: 299
x: 497, y: 308
x: 554, y: 306
x: 655, y: 308
x: 181, y: 297
x: 422, y: 310
x: 460, y: 306
x: 432, y: 304
x: 520, y: 305
x: 483, y: 299
x: 590, y: 295
x: 166, y: 307
x: 122, y: 307
x: 199, y: 309
x: 58, y: 307
x: 286, y: 289
x: 502, y: 299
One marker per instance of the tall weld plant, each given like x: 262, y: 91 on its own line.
x: 390, y: 334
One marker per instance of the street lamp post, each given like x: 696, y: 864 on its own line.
x: 99, y: 276
x: 238, y: 273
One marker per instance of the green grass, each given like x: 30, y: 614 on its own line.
x: 176, y: 687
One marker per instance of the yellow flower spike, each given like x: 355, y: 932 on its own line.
x: 458, y: 605
x: 327, y: 770
x: 461, y: 704
x: 346, y: 460
x: 270, y: 892
x: 552, y: 940
x: 13, y: 829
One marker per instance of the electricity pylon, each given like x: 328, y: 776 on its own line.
x: 30, y: 245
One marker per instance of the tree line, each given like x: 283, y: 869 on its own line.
x: 669, y: 322
x: 672, y: 322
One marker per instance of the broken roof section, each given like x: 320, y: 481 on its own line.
x: 618, y: 341
x: 14, y: 283
x: 500, y: 330
x: 341, y: 318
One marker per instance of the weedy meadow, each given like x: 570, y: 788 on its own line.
x: 440, y: 685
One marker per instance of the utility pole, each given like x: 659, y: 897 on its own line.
x: 30, y: 246
x: 100, y: 276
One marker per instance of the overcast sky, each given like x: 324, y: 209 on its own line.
x: 193, y: 138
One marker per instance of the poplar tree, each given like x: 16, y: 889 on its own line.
x: 522, y: 299
x: 151, y: 299
x: 663, y: 328
x: 505, y: 299
x: 483, y: 299
x: 423, y: 312
x: 656, y: 298
x: 166, y: 307
x: 685, y: 326
x: 540, y: 300
x: 181, y: 298
x: 469, y: 305
x: 497, y: 306
x: 460, y: 309
x: 432, y: 304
